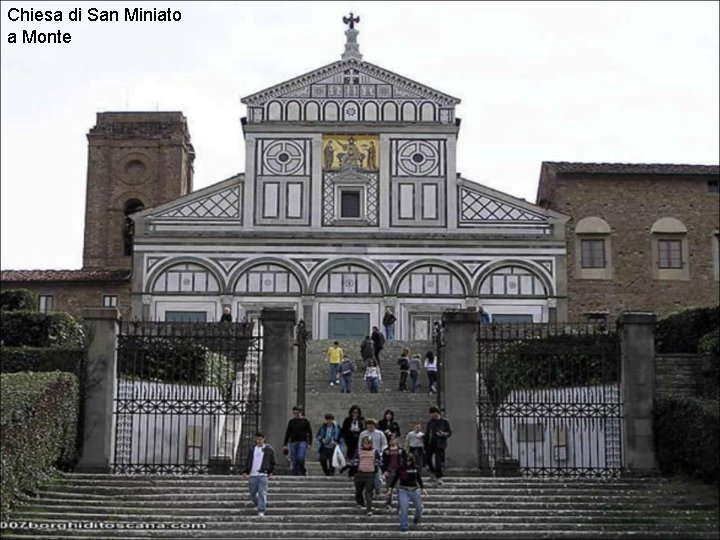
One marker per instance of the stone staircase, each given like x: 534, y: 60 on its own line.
x: 322, y: 398
x: 76, y: 506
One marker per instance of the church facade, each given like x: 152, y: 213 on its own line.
x: 350, y: 203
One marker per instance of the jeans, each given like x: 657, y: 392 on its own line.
x: 389, y: 332
x: 432, y: 380
x: 326, y: 455
x: 436, y: 461
x: 297, y: 452
x: 373, y: 384
x: 404, y: 497
x: 403, y: 381
x: 345, y: 381
x: 364, y: 484
x: 413, y: 381
x: 334, y: 372
x: 419, y: 453
x: 258, y: 491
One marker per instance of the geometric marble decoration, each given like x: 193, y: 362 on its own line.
x: 418, y: 158
x: 221, y: 205
x: 478, y: 207
x: 285, y: 157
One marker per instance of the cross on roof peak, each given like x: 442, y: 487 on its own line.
x: 352, y: 49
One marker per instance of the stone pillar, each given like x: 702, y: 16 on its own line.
x: 98, y: 451
x: 278, y: 374
x: 458, y: 374
x: 637, y: 345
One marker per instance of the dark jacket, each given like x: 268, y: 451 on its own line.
x: 402, y: 455
x: 367, y: 349
x: 433, y: 439
x: 345, y: 432
x: 404, y: 363
x: 268, y: 462
x: 409, y: 477
x: 298, y: 430
x: 391, y: 427
x: 389, y: 319
x: 378, y: 340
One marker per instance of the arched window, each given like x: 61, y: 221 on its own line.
x: 670, y: 252
x: 186, y: 278
x: 130, y: 207
x: 348, y: 279
x: 512, y: 281
x: 593, y: 254
x: 268, y: 279
x: 431, y: 280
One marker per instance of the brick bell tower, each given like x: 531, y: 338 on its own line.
x: 136, y: 160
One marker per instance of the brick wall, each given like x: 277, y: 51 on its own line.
x: 630, y: 205
x: 678, y: 375
x: 73, y: 297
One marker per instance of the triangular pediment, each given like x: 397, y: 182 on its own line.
x: 219, y: 202
x: 480, y: 205
x: 352, y: 80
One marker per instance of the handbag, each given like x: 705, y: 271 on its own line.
x: 338, y: 459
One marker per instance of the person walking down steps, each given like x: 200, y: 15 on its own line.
x: 411, y: 489
x: 259, y: 466
x: 431, y: 368
x: 328, y: 437
x: 373, y: 377
x: 404, y: 363
x: 414, y: 366
x: 334, y: 357
x: 346, y: 371
x: 378, y: 343
x: 298, y: 438
x: 367, y: 351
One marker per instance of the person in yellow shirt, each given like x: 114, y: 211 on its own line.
x: 335, y: 355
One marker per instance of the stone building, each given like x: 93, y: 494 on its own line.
x: 639, y: 237
x: 136, y: 160
x: 350, y: 203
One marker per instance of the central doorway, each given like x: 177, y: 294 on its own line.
x: 348, y: 325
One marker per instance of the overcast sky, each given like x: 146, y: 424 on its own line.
x: 565, y: 81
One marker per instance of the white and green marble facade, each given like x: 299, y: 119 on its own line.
x: 425, y: 240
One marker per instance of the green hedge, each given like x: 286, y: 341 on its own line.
x: 552, y: 362
x: 33, y: 329
x: 39, y: 421
x: 687, y: 436
x: 681, y: 332
x: 14, y: 359
x: 710, y: 345
x: 18, y: 300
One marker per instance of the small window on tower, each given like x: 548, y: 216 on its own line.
x: 109, y: 300
x: 132, y: 206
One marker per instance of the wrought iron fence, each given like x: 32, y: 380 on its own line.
x: 188, y: 397
x: 549, y: 400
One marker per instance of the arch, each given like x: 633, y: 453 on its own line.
x: 370, y: 111
x: 668, y: 225
x: 427, y: 112
x: 592, y: 225
x: 312, y: 111
x: 328, y: 266
x: 530, y: 268
x: 194, y: 265
x: 331, y: 112
x: 121, y: 199
x: 409, y: 112
x: 452, y: 270
x: 389, y: 112
x: 274, y: 110
x: 245, y: 267
x: 292, y: 111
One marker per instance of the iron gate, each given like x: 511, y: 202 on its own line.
x: 549, y: 400
x: 188, y: 397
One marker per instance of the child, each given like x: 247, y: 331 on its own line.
x: 372, y: 376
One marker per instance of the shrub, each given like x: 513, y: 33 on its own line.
x: 39, y: 417
x: 14, y: 359
x: 552, y: 362
x: 710, y: 345
x: 33, y: 329
x: 18, y: 300
x: 687, y: 436
x: 173, y: 360
x: 681, y: 332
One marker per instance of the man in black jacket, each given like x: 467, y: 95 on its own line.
x: 378, y: 342
x: 298, y: 438
x: 436, y: 435
x: 259, y: 465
